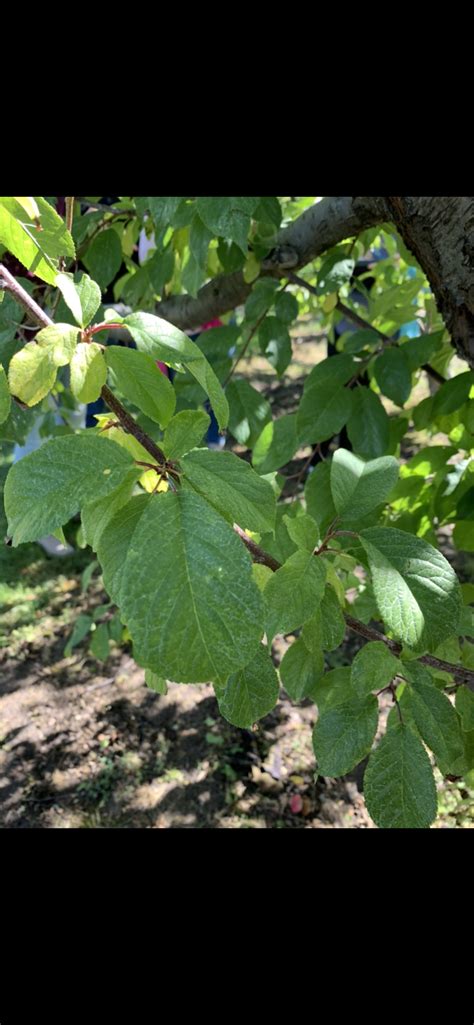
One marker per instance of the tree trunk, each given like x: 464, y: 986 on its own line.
x: 439, y: 231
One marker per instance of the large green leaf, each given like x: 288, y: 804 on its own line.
x: 437, y: 723
x: 165, y: 342
x: 232, y: 487
x: 358, y: 486
x: 192, y: 608
x: 334, y: 688
x: 453, y: 394
x: 251, y: 693
x: 393, y: 375
x: 184, y: 431
x: 5, y: 397
x: 276, y: 444
x: 96, y: 515
x: 32, y: 373
x: 88, y: 372
x: 44, y: 489
x: 374, y: 667
x: 299, y: 670
x: 303, y: 530
x: 318, y: 496
x: 344, y: 735
x: 416, y: 590
x: 465, y: 707
x: 82, y: 296
x: 141, y: 381
x: 327, y: 626
x: 368, y: 427
x: 104, y: 257
x: 399, y: 787
x: 293, y: 593
x: 326, y: 403
x: 228, y: 216
x: 249, y: 411
x: 37, y: 249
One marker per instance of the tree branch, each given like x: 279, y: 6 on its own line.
x: 317, y: 229
x: 369, y: 632
x: 8, y: 282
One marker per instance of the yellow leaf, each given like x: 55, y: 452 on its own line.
x: 30, y: 206
x: 330, y: 302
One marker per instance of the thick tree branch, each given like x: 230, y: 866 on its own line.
x: 369, y: 632
x: 322, y: 226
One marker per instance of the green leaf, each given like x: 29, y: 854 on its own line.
x: 420, y: 350
x: 437, y: 723
x: 194, y: 611
x: 88, y: 372
x: 165, y: 342
x: 44, y: 489
x: 416, y: 590
x: 249, y: 412
x: 344, y: 735
x: 465, y: 707
x: 59, y: 341
x: 251, y: 693
x: 334, y: 273
x: 90, y: 297
x: 184, y: 432
x: 141, y: 381
x: 286, y: 307
x: 261, y: 298
x: 65, y: 283
x: 399, y: 787
x: 303, y: 530
x: 228, y: 216
x: 81, y: 629
x: 326, y: 404
x: 96, y: 515
x: 163, y: 209
x: 5, y: 397
x: 453, y: 394
x: 327, y: 627
x: 99, y: 643
x: 393, y: 375
x: 374, y: 667
x: 368, y: 427
x: 299, y: 670
x: 275, y: 343
x: 31, y: 374
x: 104, y: 257
x: 155, y: 682
x: 114, y: 544
x: 334, y: 688
x: 38, y: 250
x: 293, y: 593
x: 463, y: 535
x: 276, y: 444
x: 199, y: 238
x: 82, y: 296
x: 358, y: 486
x: 318, y: 496
x: 232, y: 487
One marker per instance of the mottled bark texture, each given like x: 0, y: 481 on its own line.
x: 439, y: 231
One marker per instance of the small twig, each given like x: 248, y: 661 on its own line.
x: 251, y: 335
x: 104, y: 207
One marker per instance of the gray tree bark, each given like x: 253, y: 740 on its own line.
x: 439, y: 231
